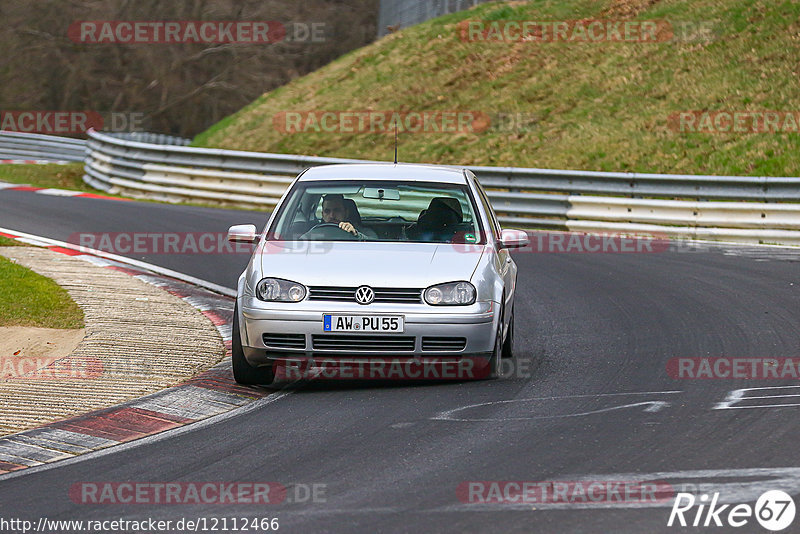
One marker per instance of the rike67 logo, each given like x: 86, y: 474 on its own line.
x: 774, y: 510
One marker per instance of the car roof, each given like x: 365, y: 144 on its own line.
x: 385, y: 171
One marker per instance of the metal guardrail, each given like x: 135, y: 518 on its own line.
x: 749, y: 209
x: 28, y: 146
x: 153, y: 138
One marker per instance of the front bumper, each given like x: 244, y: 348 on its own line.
x: 474, y: 325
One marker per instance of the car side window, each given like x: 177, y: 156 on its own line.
x: 487, y: 207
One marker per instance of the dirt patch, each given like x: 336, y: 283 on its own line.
x: 39, y: 353
x: 624, y: 9
x: 30, y: 342
x: 30, y: 352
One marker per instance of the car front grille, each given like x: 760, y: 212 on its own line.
x: 382, y: 294
x: 363, y: 343
x: 284, y: 341
x: 444, y: 344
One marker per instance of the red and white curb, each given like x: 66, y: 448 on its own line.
x: 4, y: 186
x: 208, y: 394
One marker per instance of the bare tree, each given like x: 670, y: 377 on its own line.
x: 181, y: 88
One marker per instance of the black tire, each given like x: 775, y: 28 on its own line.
x: 508, y: 345
x: 496, y: 361
x: 243, y: 372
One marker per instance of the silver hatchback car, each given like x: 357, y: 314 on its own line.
x: 377, y: 271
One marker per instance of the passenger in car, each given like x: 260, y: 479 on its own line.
x: 438, y: 222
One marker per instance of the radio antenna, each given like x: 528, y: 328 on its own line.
x: 395, y: 142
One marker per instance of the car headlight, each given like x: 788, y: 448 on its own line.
x: 279, y: 290
x: 450, y: 294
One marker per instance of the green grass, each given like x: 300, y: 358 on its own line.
x: 586, y: 106
x: 69, y: 176
x: 55, y: 176
x: 8, y: 242
x: 29, y: 299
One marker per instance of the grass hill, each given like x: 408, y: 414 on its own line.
x: 571, y: 105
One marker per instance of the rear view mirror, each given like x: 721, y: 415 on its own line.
x: 514, y: 239
x: 381, y: 193
x: 242, y: 233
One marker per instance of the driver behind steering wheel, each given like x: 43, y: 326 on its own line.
x: 334, y: 211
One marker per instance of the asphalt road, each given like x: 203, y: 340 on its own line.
x: 592, y: 401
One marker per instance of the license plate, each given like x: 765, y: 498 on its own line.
x: 363, y: 323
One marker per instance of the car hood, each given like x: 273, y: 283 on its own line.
x: 351, y: 264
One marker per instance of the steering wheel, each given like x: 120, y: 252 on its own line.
x: 330, y: 231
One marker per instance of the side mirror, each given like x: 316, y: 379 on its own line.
x: 514, y: 239
x: 242, y: 233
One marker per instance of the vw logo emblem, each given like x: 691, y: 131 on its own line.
x: 365, y: 295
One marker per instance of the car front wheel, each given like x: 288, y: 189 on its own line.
x: 243, y: 372
x: 508, y: 346
x: 496, y: 361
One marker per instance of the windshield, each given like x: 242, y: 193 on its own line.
x: 378, y: 211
